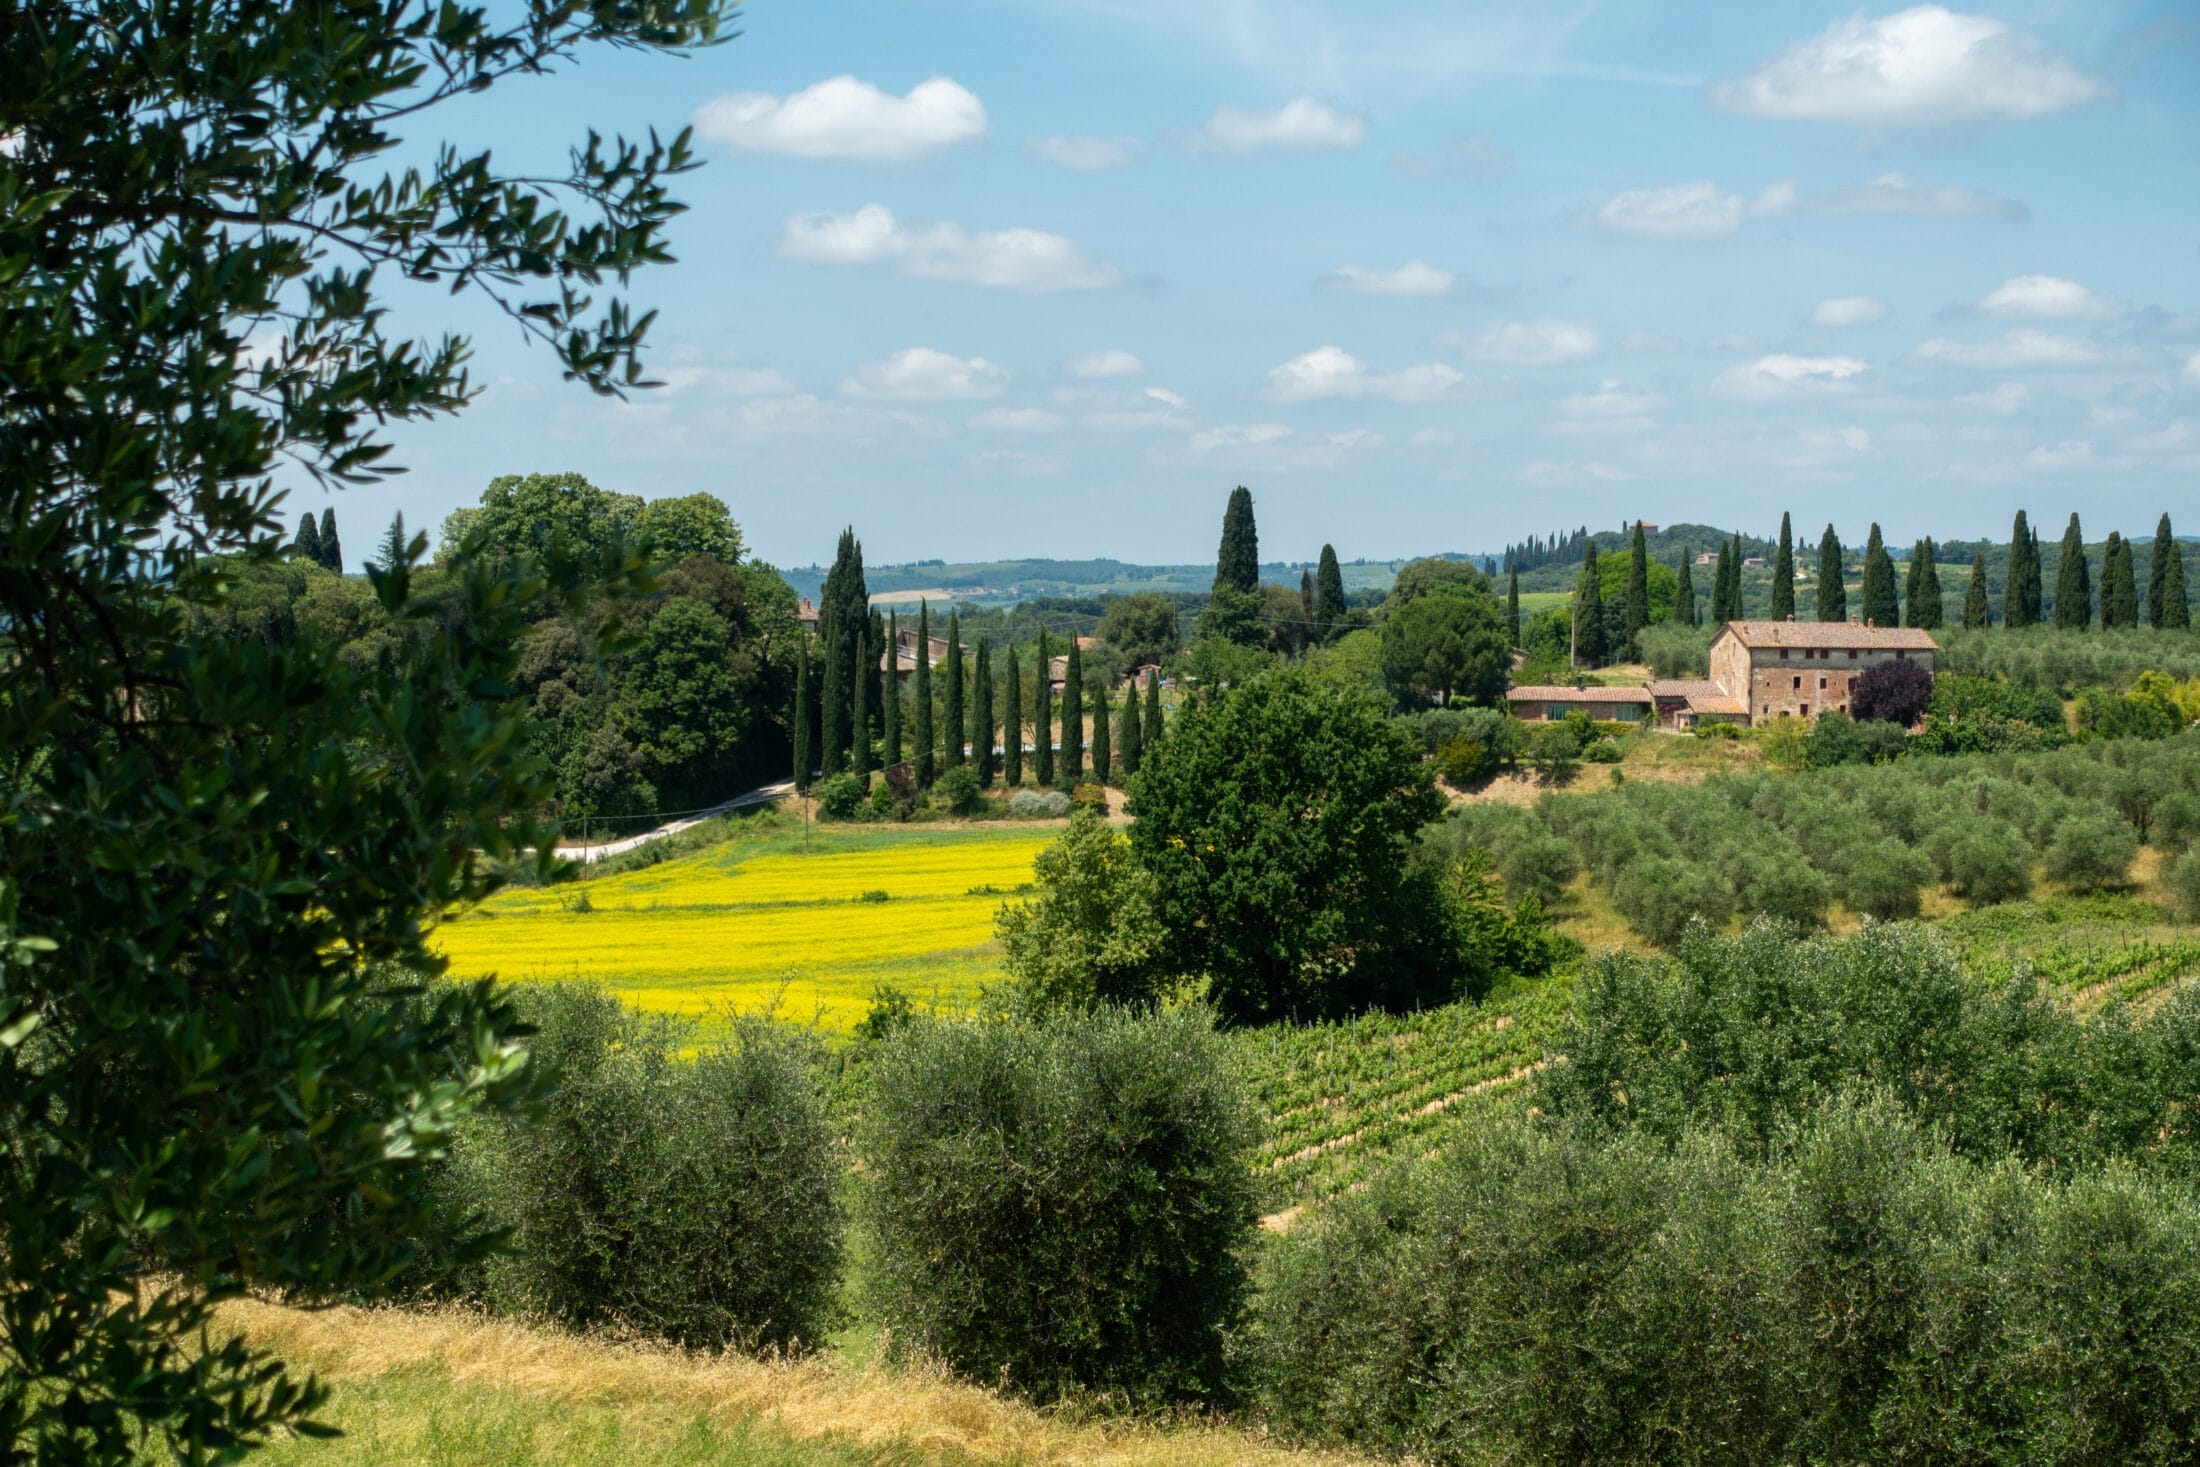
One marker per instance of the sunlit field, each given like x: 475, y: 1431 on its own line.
x: 806, y: 926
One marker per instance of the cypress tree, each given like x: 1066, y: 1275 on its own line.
x: 1924, y: 610
x: 1042, y: 725
x: 859, y: 721
x: 890, y: 685
x: 875, y: 666
x: 920, y: 702
x: 2119, y: 585
x: 1684, y: 592
x: 332, y: 548
x: 1722, y: 587
x: 1783, y: 574
x: 981, y: 712
x: 1306, y: 597
x: 803, y: 751
x: 1512, y: 608
x: 2176, y: 614
x: 817, y: 704
x: 1012, y: 724
x: 1237, y: 561
x: 1103, y: 751
x: 1150, y: 735
x: 1736, y: 597
x: 2158, y: 564
x: 1329, y: 607
x: 1638, y: 586
x: 1913, y: 583
x: 2020, y: 598
x: 308, y: 544
x: 1128, y: 740
x: 1881, y: 609
x: 392, y: 550
x: 843, y: 612
x: 1588, y: 613
x: 951, y: 701
x: 2073, y: 581
x: 1073, y: 716
x: 1978, y: 612
x: 1833, y: 593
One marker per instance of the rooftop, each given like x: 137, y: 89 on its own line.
x: 1568, y: 693
x: 1829, y: 634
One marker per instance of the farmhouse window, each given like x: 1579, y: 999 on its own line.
x: 1803, y: 709
x: 1821, y: 680
x: 1852, y: 654
x: 1798, y: 681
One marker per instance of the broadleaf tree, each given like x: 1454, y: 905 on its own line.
x: 221, y: 859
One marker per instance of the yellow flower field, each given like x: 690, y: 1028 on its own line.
x: 763, y: 921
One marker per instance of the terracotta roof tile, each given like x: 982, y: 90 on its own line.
x: 1835, y: 634
x: 1567, y: 693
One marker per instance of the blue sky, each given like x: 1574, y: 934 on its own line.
x: 1003, y: 277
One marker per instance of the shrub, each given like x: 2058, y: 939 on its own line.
x: 1989, y: 863
x: 1659, y: 897
x: 959, y: 791
x: 1833, y: 739
x: 2091, y: 850
x: 1885, y: 882
x: 1089, y: 797
x: 2176, y: 821
x: 1037, y: 804
x: 885, y: 804
x: 840, y: 797
x: 1883, y: 740
x: 1089, y: 936
x: 2182, y: 879
x: 694, y: 1200
x: 1603, y: 751
x: 1537, y: 866
x: 1787, y: 890
x: 1891, y: 692
x: 1718, y: 728
x: 1672, y: 650
x: 1062, y: 1204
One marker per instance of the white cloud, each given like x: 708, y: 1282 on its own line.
x: 846, y: 119
x: 1094, y: 365
x: 1848, y: 310
x: 1028, y: 261
x: 1688, y: 211
x: 1352, y: 438
x: 1895, y: 193
x: 1609, y: 409
x: 1544, y: 471
x: 1477, y: 155
x: 1783, y: 375
x: 1431, y: 438
x: 2075, y: 453
x: 2005, y: 401
x: 1165, y: 397
x: 2192, y: 369
x: 1301, y: 125
x: 734, y: 380
x: 1540, y: 343
x: 1083, y: 153
x: 1851, y: 439
x: 1699, y: 211
x: 1016, y: 420
x: 1329, y: 371
x: 1238, y: 435
x: 920, y: 374
x: 1924, y: 66
x: 2014, y: 351
x: 1413, y: 278
x: 2048, y: 298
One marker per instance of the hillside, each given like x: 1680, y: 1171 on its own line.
x: 1001, y: 582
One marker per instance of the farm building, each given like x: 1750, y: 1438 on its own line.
x: 1795, y: 669
x: 1539, y: 703
x: 1686, y: 702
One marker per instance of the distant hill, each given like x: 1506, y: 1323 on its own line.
x: 1004, y: 582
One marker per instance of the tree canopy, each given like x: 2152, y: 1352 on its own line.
x: 221, y: 854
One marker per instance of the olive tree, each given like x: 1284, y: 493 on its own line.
x: 219, y: 859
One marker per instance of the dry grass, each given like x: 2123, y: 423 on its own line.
x: 904, y: 1415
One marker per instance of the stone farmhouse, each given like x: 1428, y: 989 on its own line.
x: 1761, y: 671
